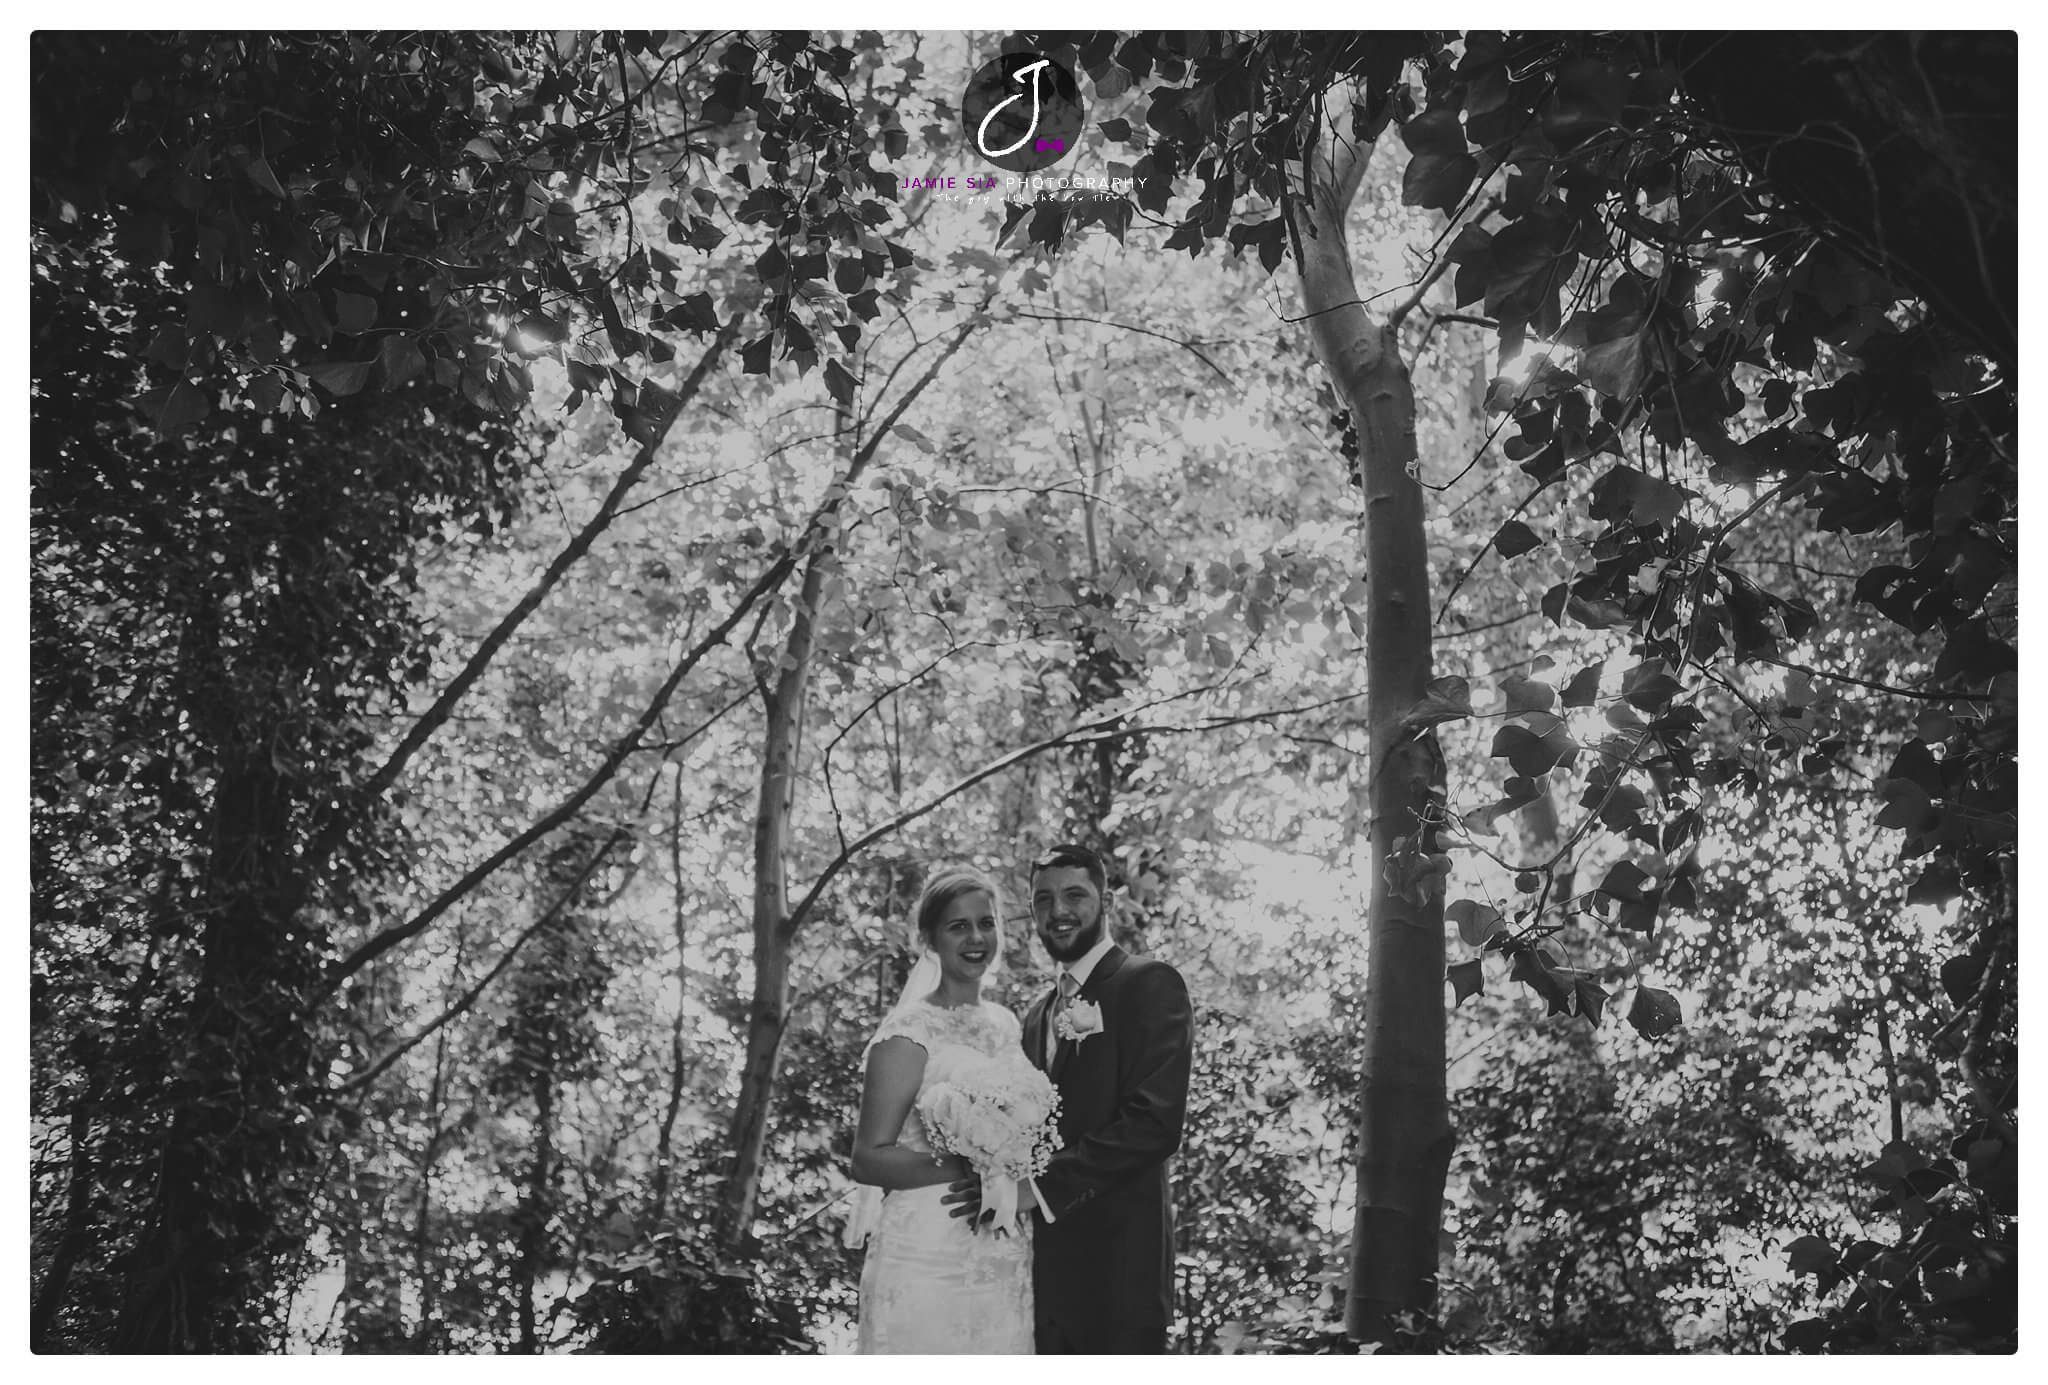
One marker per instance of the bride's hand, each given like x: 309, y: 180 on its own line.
x: 964, y: 1197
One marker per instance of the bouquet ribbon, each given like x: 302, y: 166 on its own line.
x: 1000, y: 1198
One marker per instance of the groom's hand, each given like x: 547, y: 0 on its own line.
x: 964, y: 1197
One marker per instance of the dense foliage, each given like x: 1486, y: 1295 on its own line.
x: 1709, y: 311
x: 539, y: 540
x: 221, y: 593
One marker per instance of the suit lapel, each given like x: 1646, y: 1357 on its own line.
x: 1034, y: 1031
x: 1111, y: 963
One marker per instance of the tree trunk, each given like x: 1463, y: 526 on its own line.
x: 664, y: 1145
x: 428, y: 1335
x: 372, y: 1299
x: 1880, y: 1004
x: 77, y: 1231
x: 202, y: 1259
x: 775, y: 925
x: 1405, y: 1134
x: 533, y: 1220
x: 773, y: 935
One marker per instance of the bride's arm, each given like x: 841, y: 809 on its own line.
x: 895, y: 1067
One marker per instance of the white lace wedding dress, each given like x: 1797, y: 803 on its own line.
x: 930, y: 1284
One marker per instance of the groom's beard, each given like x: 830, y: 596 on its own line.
x: 1085, y: 937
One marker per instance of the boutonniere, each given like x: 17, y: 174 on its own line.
x: 1078, y: 1021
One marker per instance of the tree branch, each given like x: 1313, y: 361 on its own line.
x: 470, y: 997
x: 867, y: 451
x: 391, y: 937
x: 799, y: 999
x: 1925, y: 696
x: 431, y: 721
x: 1399, y: 312
x: 1182, y: 342
x: 1093, y: 732
x: 774, y: 576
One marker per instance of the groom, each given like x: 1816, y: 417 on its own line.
x: 1116, y: 1035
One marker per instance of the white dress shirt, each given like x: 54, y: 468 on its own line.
x: 1084, y: 965
x: 1080, y: 969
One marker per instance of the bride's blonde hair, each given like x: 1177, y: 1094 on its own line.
x: 947, y: 885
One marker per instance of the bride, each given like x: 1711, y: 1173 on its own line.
x: 931, y: 1282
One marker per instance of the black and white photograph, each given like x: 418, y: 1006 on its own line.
x: 1020, y: 691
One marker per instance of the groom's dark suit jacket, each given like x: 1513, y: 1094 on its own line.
x: 1102, y: 1270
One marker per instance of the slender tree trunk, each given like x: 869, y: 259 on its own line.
x: 664, y: 1151
x: 665, y: 1143
x: 533, y: 1227
x: 427, y: 1337
x: 769, y: 1011
x: 775, y: 924
x: 372, y: 1299
x: 1880, y: 1008
x: 1405, y: 1135
x: 1891, y: 1066
x: 422, y: 1226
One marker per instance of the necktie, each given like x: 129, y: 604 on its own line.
x: 1068, y: 989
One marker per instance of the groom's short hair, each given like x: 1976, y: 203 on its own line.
x: 1073, y: 854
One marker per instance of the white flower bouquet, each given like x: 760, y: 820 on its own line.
x: 1001, y: 1118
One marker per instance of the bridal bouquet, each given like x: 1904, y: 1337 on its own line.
x: 998, y: 1116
